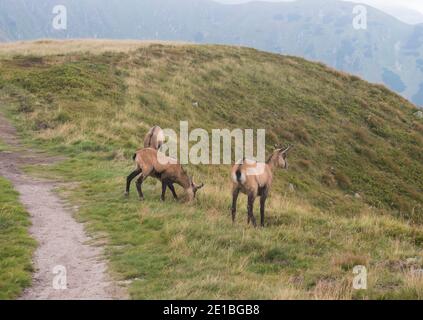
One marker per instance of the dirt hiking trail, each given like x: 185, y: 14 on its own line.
x: 61, y: 240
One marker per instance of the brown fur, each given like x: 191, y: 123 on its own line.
x: 154, y: 138
x: 167, y: 170
x: 255, y: 180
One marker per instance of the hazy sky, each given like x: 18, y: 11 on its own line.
x: 409, y: 4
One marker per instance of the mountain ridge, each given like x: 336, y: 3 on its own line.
x: 388, y: 52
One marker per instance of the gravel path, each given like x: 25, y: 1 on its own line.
x: 64, y: 256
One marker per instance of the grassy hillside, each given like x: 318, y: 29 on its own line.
x: 357, y: 168
x: 16, y: 246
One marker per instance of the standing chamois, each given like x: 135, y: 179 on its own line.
x: 255, y: 179
x: 152, y: 163
x: 154, y: 138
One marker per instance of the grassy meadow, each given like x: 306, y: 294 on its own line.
x: 357, y: 168
x: 16, y: 246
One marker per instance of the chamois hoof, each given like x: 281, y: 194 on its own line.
x: 126, y: 194
x: 141, y: 199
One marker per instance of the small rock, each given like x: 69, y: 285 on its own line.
x: 195, y: 104
x: 357, y: 196
x: 419, y: 114
x: 291, y: 188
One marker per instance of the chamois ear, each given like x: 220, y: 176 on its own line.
x: 286, y: 150
x: 278, y: 146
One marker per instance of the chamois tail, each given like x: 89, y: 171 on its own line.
x: 239, y: 176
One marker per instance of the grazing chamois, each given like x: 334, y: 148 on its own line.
x: 255, y: 180
x: 152, y: 163
x: 154, y: 138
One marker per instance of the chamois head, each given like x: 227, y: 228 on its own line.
x: 194, y: 188
x: 280, y: 157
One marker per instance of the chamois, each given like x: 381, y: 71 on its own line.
x: 154, y: 138
x: 255, y: 179
x: 152, y: 163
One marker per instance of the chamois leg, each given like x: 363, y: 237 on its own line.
x: 164, y: 187
x: 129, y: 179
x: 172, y: 189
x: 139, y: 186
x: 263, y: 199
x: 235, y: 195
x: 251, y: 199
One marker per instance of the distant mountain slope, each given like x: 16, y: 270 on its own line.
x: 3, y: 37
x: 404, y: 14
x: 389, y: 51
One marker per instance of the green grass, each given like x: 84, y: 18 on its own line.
x: 173, y: 250
x: 16, y: 246
x: 3, y: 146
x: 350, y: 137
